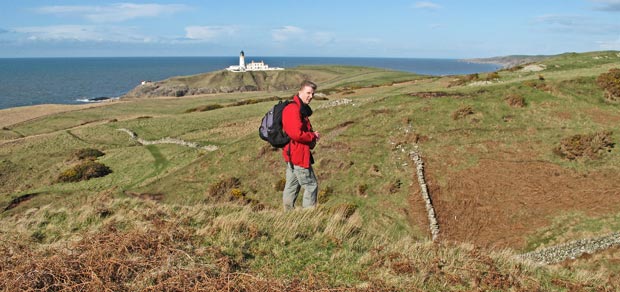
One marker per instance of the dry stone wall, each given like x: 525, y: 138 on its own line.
x: 167, y: 140
x: 573, y: 249
x: 426, y: 196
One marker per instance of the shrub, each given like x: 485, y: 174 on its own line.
x: 462, y: 80
x: 361, y: 190
x: 205, y: 108
x: 462, y: 112
x: 394, y: 186
x: 590, y: 146
x: 237, y: 193
x: 84, y: 171
x: 246, y: 102
x: 515, y: 100
x: 280, y: 184
x: 87, y: 153
x: 220, y: 188
x: 610, y: 82
x: 492, y: 76
x: 538, y: 84
x: 515, y: 68
x: 472, y: 77
x: 324, y: 195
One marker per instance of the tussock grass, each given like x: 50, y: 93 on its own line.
x: 142, y: 245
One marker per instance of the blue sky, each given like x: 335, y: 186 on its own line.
x: 337, y: 28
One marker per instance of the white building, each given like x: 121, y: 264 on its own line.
x: 252, y: 66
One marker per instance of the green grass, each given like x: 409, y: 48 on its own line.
x: 357, y: 160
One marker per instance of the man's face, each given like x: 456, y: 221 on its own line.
x: 306, y: 94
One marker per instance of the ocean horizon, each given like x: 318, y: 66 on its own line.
x: 33, y: 81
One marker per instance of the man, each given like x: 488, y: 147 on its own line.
x: 303, y: 138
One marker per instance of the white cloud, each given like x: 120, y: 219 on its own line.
x: 297, y: 34
x: 575, y: 24
x: 610, y: 45
x: 323, y: 38
x: 82, y: 33
x: 607, y: 5
x: 426, y: 5
x: 118, y: 12
x: 208, y: 33
x: 286, y: 33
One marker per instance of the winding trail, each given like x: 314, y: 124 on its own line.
x: 167, y: 140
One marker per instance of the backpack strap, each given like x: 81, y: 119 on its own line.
x: 290, y: 159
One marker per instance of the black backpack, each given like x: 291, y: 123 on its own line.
x: 270, y: 128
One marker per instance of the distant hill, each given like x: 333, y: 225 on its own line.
x: 509, y: 61
x: 220, y: 82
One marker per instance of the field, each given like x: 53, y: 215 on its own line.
x: 173, y: 217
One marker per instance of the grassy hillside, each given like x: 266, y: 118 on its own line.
x: 176, y: 217
x: 226, y: 82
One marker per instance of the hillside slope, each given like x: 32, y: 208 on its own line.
x: 273, y: 81
x: 171, y: 216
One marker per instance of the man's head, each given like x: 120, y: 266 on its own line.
x: 306, y: 91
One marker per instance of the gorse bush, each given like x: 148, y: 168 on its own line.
x: 515, y: 100
x: 492, y: 76
x: 84, y: 171
x: 462, y: 112
x: 87, y: 153
x: 205, y: 108
x: 462, y: 80
x: 610, y: 82
x: 590, y: 146
x: 538, y: 84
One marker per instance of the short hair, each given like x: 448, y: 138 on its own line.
x: 307, y: 83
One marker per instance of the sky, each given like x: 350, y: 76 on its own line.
x: 318, y: 28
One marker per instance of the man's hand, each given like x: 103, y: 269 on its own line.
x: 318, y: 136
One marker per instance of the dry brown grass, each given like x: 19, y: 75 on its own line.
x: 12, y: 116
x: 165, y: 258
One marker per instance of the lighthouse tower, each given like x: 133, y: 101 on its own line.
x: 242, y: 61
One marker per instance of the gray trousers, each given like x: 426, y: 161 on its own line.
x: 295, y: 179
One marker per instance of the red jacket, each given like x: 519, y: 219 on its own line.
x: 300, y: 131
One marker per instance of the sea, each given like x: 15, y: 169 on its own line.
x: 33, y: 81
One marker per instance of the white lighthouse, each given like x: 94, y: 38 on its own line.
x: 242, y: 61
x: 252, y: 66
